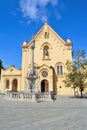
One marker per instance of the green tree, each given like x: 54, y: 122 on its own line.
x: 1, y: 66
x: 77, y: 71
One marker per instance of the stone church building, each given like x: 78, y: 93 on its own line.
x: 50, y: 55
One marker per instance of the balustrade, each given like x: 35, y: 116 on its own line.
x: 28, y: 96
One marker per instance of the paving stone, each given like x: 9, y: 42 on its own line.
x: 64, y: 114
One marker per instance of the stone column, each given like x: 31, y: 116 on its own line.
x: 32, y: 77
x: 32, y: 56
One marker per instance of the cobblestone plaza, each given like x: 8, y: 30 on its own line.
x: 64, y: 114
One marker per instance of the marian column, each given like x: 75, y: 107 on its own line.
x: 32, y: 56
x: 31, y: 77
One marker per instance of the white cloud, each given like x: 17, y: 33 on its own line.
x: 36, y: 9
x: 58, y: 16
x: 43, y: 3
x: 44, y: 19
x: 28, y: 8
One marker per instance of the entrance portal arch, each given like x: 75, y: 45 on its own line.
x: 44, y: 86
x: 14, y: 85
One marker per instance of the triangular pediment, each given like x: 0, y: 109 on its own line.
x: 44, y: 66
x: 47, y: 32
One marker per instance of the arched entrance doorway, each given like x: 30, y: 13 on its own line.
x: 44, y: 86
x: 14, y: 85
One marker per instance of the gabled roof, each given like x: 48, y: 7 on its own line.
x: 49, y: 27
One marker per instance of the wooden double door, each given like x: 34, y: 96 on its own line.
x: 44, y: 86
x: 14, y: 85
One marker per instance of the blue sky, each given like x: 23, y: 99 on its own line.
x: 19, y: 19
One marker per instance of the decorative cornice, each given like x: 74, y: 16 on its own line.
x: 5, y: 75
x: 46, y: 59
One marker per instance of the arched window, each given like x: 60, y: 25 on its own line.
x: 7, y: 84
x: 46, y: 52
x: 59, y: 70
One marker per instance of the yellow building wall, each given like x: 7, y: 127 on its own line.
x: 59, y: 52
x: 10, y: 74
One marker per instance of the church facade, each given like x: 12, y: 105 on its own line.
x: 50, y: 55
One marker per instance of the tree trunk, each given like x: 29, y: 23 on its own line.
x: 74, y: 92
x: 81, y: 94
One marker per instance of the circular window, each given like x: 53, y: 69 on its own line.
x: 44, y: 73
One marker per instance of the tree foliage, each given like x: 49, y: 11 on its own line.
x: 77, y: 71
x: 1, y: 66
